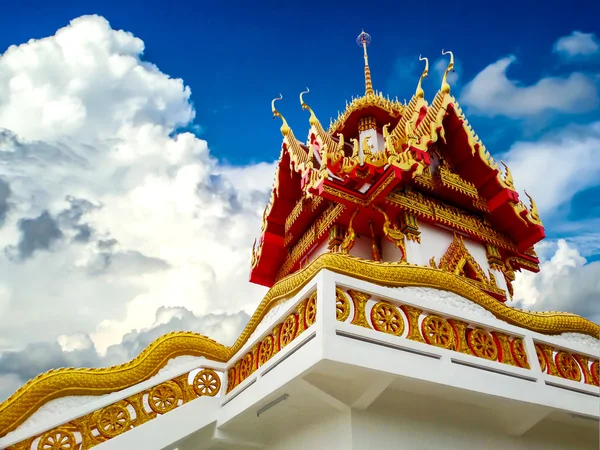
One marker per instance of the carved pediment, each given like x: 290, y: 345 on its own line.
x: 459, y: 261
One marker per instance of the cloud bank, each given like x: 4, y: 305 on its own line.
x: 492, y: 93
x: 114, y: 228
x: 577, y: 44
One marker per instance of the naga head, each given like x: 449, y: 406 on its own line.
x: 420, y: 93
x: 285, y: 128
x: 313, y: 119
x: 450, y: 68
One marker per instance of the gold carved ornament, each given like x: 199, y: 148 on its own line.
x: 567, y: 366
x: 457, y: 260
x: 446, y: 178
x: 437, y: 331
x: 503, y: 344
x: 518, y: 352
x: 113, y: 420
x: 541, y: 358
x: 350, y: 236
x: 595, y: 371
x: 266, y: 350
x: 482, y: 344
x: 359, y: 299
x: 410, y: 227
x: 310, y: 315
x: 387, y: 318
x: 393, y: 234
x: 584, y: 363
x: 439, y: 212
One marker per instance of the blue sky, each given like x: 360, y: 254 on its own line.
x: 121, y: 226
x: 237, y: 55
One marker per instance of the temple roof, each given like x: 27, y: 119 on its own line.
x: 428, y: 150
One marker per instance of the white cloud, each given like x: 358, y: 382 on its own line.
x: 556, y: 167
x: 492, y: 93
x: 577, y: 44
x: 565, y: 283
x: 107, y: 218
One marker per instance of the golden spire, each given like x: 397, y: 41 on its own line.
x: 363, y: 40
x: 450, y: 68
x: 420, y: 93
x: 285, y: 128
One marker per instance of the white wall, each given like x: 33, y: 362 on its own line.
x: 331, y: 433
x: 362, y: 247
x: 431, y: 423
x: 423, y: 423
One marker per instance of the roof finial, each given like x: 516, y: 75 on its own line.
x: 420, y: 93
x: 450, y: 68
x: 313, y: 119
x: 363, y: 40
x: 285, y: 128
x: 533, y: 211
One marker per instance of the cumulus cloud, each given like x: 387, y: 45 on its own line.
x: 115, y: 227
x: 492, y: 93
x: 577, y: 44
x: 566, y: 282
x: 37, y: 233
x: 4, y: 196
x: 551, y: 169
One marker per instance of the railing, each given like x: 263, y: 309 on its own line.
x: 123, y: 415
x: 492, y: 343
x: 285, y: 330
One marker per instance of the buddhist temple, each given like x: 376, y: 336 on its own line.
x: 390, y: 245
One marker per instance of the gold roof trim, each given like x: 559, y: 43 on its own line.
x: 392, y: 107
x: 445, y: 86
x: 420, y: 92
x: 427, y: 132
x: 324, y: 137
x: 299, y: 158
x: 65, y: 382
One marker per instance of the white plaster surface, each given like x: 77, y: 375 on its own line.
x: 421, y: 422
x: 449, y: 298
x: 580, y: 339
x: 434, y: 242
x: 362, y: 247
x: 318, y: 250
x: 174, y: 366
